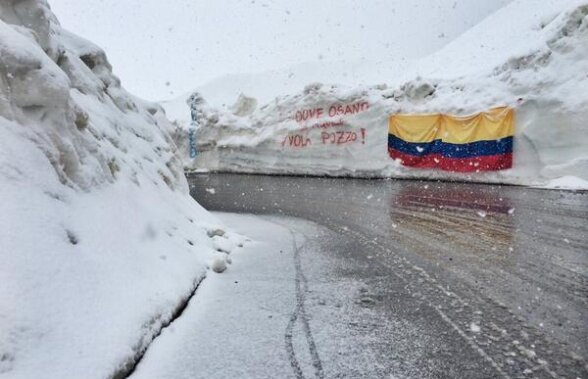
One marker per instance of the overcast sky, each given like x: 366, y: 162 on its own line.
x: 161, y: 49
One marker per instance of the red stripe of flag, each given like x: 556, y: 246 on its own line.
x: 474, y: 164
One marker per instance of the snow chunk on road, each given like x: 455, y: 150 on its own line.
x: 218, y: 265
x: 475, y: 328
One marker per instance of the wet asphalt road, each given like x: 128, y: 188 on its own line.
x: 488, y: 281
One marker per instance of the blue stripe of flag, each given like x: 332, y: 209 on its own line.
x: 452, y: 150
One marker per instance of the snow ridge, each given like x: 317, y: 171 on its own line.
x: 99, y: 239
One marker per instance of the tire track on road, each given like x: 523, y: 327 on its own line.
x: 299, y: 314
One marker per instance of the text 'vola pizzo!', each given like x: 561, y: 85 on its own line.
x: 326, y: 138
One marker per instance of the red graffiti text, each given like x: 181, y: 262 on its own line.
x: 296, y: 140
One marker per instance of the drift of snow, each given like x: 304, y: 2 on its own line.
x: 99, y: 239
x: 535, y: 61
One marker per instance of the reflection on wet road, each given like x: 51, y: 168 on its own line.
x: 501, y: 270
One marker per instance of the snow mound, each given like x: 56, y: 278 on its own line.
x: 533, y: 57
x: 99, y: 239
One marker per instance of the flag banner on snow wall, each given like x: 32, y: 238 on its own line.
x: 479, y: 142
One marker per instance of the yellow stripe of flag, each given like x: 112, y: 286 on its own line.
x: 494, y: 124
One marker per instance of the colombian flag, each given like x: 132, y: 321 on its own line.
x: 479, y: 142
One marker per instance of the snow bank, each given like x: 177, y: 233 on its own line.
x: 99, y: 239
x: 530, y: 56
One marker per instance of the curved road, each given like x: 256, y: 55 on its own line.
x: 489, y: 281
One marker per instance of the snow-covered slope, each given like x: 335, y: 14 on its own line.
x: 204, y: 39
x: 529, y: 55
x: 266, y: 86
x: 99, y: 239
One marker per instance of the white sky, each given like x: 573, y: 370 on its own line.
x: 161, y: 49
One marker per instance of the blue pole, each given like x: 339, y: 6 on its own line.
x: 192, y: 129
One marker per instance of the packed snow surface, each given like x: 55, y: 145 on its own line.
x: 99, y: 239
x: 528, y: 55
x: 285, y: 308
